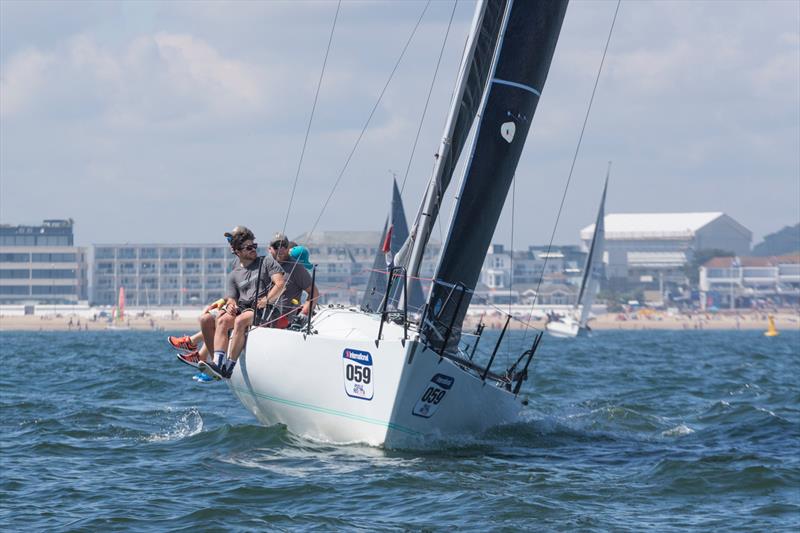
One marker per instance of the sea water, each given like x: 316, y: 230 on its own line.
x: 624, y: 431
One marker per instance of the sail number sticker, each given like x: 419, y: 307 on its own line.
x: 357, y: 368
x: 432, y: 397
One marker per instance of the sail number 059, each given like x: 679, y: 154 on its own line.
x: 358, y: 373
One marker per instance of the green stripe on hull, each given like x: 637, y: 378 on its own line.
x: 326, y: 410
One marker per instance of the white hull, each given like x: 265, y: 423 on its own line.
x: 565, y: 328
x: 412, y: 395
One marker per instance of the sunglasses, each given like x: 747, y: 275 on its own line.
x: 249, y: 247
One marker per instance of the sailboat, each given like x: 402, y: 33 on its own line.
x: 576, y: 321
x: 118, y: 316
x: 395, y: 233
x: 357, y: 376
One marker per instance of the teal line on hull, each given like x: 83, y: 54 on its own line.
x: 326, y: 410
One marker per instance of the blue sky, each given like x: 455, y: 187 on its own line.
x: 174, y: 121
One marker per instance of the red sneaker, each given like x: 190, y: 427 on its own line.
x: 182, y: 343
x: 191, y: 358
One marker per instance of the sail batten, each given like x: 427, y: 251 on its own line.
x: 525, y: 49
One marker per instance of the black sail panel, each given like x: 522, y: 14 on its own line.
x: 376, y: 285
x: 527, y: 48
x: 467, y: 100
x: 478, y: 72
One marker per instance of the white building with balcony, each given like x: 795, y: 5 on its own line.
x: 731, y: 282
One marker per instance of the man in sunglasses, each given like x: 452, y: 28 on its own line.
x: 252, y: 284
x: 298, y: 279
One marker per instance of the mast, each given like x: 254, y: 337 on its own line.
x: 591, y: 272
x: 467, y: 96
x: 518, y: 73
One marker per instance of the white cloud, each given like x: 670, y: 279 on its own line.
x: 163, y: 76
x: 22, y: 80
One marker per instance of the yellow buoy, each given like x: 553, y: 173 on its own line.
x: 771, y: 331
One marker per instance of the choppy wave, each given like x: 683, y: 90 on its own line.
x: 624, y: 431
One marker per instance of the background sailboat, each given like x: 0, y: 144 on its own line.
x: 118, y: 316
x: 395, y: 233
x: 576, y: 322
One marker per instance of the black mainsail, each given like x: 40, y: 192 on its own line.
x: 396, y: 230
x: 521, y: 62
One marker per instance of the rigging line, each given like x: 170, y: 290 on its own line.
x: 574, y: 159
x: 369, y: 119
x: 427, y: 101
x: 511, y: 255
x: 311, y: 118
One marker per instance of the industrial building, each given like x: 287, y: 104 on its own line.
x: 41, y: 265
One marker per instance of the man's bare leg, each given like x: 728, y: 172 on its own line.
x: 240, y: 327
x: 204, y: 354
x: 208, y: 327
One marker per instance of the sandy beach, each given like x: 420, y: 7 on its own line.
x: 750, y: 320
x: 785, y: 320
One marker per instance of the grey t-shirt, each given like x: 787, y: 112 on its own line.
x: 241, y: 285
x: 297, y: 280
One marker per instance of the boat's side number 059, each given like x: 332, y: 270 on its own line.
x: 358, y: 373
x: 433, y: 395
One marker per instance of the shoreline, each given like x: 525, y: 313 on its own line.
x: 750, y: 320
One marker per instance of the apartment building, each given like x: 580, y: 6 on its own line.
x: 41, y: 265
x: 159, y: 274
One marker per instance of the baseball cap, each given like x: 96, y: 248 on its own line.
x: 238, y: 235
x: 279, y: 239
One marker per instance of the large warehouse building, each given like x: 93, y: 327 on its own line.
x: 654, y: 248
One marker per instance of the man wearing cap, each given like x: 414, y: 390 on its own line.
x: 252, y: 284
x: 298, y: 280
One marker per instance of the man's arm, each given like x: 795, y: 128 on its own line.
x: 276, y: 290
x: 311, y: 301
x: 231, y: 295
